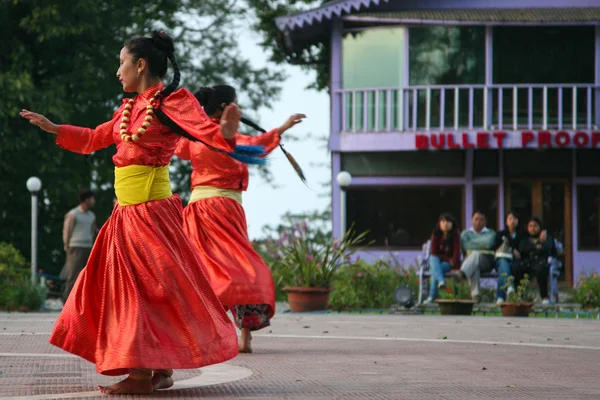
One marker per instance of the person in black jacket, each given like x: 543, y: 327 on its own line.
x: 535, y: 248
x: 507, y: 253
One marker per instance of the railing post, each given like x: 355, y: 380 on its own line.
x: 442, y: 108
x: 388, y: 110
x: 545, y: 108
x: 515, y: 108
x: 456, y: 114
x: 560, y: 108
x: 414, y: 110
x: 500, y: 111
x: 428, y: 109
x: 574, y: 108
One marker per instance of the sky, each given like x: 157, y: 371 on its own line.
x: 263, y: 204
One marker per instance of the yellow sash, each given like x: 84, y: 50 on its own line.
x: 136, y: 184
x: 206, y: 192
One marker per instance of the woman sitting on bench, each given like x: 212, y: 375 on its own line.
x: 444, y: 253
x: 535, y: 250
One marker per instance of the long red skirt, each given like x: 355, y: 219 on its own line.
x: 142, y: 301
x: 237, y: 274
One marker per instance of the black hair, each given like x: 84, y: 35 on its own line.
x: 516, y: 215
x: 537, y: 221
x: 85, y: 194
x: 477, y: 211
x: 211, y: 98
x: 156, y: 50
x: 448, y: 217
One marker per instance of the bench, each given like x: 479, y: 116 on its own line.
x: 425, y: 274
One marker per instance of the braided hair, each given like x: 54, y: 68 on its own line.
x: 157, y: 50
x: 212, y: 98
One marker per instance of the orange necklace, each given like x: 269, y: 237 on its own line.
x: 128, y: 136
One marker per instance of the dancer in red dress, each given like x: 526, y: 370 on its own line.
x: 215, y: 221
x: 140, y: 306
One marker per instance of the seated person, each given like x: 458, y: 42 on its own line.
x: 444, y: 253
x: 507, y: 253
x: 478, y: 244
x: 535, y: 248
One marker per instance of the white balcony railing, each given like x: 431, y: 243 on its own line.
x: 470, y: 107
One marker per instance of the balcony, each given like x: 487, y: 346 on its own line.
x: 460, y: 108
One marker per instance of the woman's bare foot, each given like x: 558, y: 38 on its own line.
x: 162, y: 379
x: 245, y: 340
x: 129, y: 386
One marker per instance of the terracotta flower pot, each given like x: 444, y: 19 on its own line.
x: 516, y: 309
x: 456, y: 307
x: 301, y: 299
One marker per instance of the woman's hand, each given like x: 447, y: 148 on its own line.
x: 293, y: 120
x: 40, y: 120
x: 517, y: 254
x: 543, y: 236
x: 230, y: 121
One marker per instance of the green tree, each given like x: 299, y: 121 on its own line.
x: 315, y: 58
x: 59, y: 58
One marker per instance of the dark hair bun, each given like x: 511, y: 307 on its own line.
x: 163, y: 42
x: 203, y: 95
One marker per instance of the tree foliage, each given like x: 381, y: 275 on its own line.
x: 315, y: 58
x: 59, y: 58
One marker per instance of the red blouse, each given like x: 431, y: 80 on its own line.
x: 447, y: 252
x: 157, y: 145
x: 211, y: 168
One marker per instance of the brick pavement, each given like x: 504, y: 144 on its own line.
x: 344, y: 357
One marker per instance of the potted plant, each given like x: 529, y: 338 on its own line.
x: 455, y: 299
x: 311, y: 266
x: 519, y: 303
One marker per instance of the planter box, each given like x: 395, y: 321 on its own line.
x: 301, y: 299
x: 456, y: 307
x: 516, y: 309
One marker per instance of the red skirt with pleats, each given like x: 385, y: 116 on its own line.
x: 143, y: 301
x: 238, y: 275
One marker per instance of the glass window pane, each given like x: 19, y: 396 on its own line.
x: 485, y: 163
x: 588, y: 219
x: 587, y: 163
x: 447, y: 55
x: 405, y: 163
x: 538, y: 163
x: 373, y: 58
x: 401, y: 217
x: 485, y: 199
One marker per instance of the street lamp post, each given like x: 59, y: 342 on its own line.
x: 343, y: 179
x: 34, y: 184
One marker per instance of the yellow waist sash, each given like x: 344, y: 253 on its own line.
x: 206, y: 192
x: 136, y: 184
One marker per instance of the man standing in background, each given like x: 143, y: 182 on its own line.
x: 79, y: 231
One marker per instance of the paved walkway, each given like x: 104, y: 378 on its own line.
x: 337, y: 356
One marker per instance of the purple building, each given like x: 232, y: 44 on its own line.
x: 460, y: 105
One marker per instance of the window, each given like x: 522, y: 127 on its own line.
x: 380, y: 50
x: 405, y: 163
x: 401, y: 217
x: 485, y: 163
x: 446, y: 55
x: 588, y: 219
x: 587, y: 163
x: 538, y: 163
x: 485, y: 199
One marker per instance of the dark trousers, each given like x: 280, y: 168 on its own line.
x: 534, y: 267
x: 77, y: 258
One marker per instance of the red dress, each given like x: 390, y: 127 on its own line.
x: 217, y: 225
x: 142, y: 301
